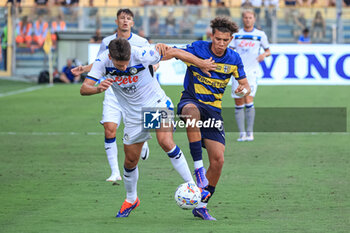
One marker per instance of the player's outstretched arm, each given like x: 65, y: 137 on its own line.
x: 88, y: 87
x: 205, y: 65
x: 243, y: 88
x: 81, y: 69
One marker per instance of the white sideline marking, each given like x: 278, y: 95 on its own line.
x: 24, y: 90
x: 102, y: 133
x: 52, y: 133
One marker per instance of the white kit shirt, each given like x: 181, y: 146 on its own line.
x: 134, y: 40
x: 247, y: 45
x: 134, y: 88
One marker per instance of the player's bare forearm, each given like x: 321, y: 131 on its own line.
x: 88, y: 87
x: 262, y: 56
x: 205, y: 65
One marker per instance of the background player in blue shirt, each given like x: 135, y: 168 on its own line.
x: 67, y: 76
x: 201, y: 100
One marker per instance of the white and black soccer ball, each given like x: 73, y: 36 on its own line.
x: 187, y: 195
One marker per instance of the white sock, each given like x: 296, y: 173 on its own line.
x: 112, y: 155
x: 240, y: 118
x: 198, y: 164
x: 130, y: 181
x: 179, y: 162
x: 202, y: 205
x: 250, y: 116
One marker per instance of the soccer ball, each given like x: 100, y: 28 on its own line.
x: 187, y: 196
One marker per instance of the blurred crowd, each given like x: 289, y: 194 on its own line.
x: 52, y: 15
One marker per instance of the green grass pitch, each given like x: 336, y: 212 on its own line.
x: 53, y: 166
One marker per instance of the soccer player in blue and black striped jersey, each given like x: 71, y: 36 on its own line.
x: 201, y: 101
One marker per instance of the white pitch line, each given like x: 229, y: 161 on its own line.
x: 51, y: 133
x: 102, y: 133
x: 24, y: 90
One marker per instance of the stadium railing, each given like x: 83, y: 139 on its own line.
x: 81, y: 23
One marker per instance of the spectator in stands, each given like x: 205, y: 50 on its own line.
x: 270, y: 14
x: 97, y: 38
x: 257, y: 5
x: 40, y: 7
x: 246, y: 4
x: 193, y: 7
x: 70, y: 8
x: 94, y: 17
x: 186, y: 24
x: 222, y: 10
x: 193, y: 2
x: 299, y: 24
x: 41, y: 28
x: 290, y: 10
x: 217, y: 2
x: 24, y: 31
x: 170, y: 23
x: 16, y: 4
x: 147, y: 2
x: 58, y: 25
x: 318, y: 27
x: 138, y: 24
x: 154, y: 23
x: 346, y: 3
x: 66, y: 75
x: 308, y: 2
x: 304, y: 38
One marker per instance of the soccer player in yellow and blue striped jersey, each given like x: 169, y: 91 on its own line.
x: 202, y: 100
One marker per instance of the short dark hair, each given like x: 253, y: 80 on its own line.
x: 223, y: 24
x: 126, y: 11
x: 306, y: 30
x: 120, y: 49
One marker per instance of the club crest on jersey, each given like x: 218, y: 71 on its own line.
x: 132, y: 70
x: 226, y: 68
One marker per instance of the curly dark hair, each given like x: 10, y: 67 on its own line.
x: 223, y: 24
x: 120, y: 49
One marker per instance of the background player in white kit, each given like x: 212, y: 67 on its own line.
x: 127, y: 72
x: 112, y: 112
x: 247, y: 42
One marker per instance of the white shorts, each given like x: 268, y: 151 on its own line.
x: 112, y: 112
x: 253, y: 84
x: 135, y: 132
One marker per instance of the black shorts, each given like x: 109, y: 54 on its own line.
x: 212, y: 133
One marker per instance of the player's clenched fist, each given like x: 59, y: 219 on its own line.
x: 105, y: 84
x: 243, y: 90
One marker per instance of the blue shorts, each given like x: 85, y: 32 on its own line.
x: 215, y: 134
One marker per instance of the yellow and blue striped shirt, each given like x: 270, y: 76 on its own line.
x: 209, y: 90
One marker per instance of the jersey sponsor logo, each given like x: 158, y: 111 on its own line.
x: 211, y: 82
x: 126, y: 80
x: 129, y: 90
x: 245, y: 43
